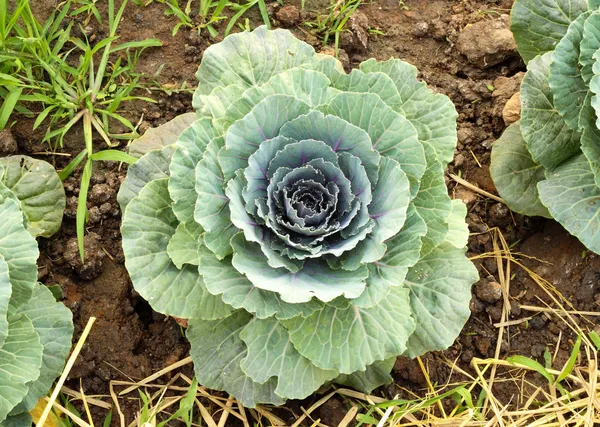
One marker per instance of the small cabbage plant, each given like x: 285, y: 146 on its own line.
x: 300, y: 221
x: 35, y: 329
x: 548, y: 163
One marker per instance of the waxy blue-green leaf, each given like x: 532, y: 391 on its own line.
x: 349, y: 338
x: 39, y: 190
x: 159, y: 137
x: 315, y: 278
x: 432, y: 114
x: 271, y: 354
x: 152, y: 165
x: 5, y: 291
x: 245, y: 136
x: 183, y: 245
x: 571, y: 195
x: 548, y: 138
x: 433, y: 203
x: 251, y: 59
x: 376, y: 375
x: 568, y: 87
x: 391, y: 134
x: 538, y: 25
x: 53, y: 323
x: 20, y: 252
x: 254, y: 232
x: 437, y: 301
x: 212, y: 205
x: 589, y: 45
x: 373, y: 82
x: 309, y: 86
x: 148, y: 226
x: 20, y: 362
x: 256, y: 173
x: 590, y: 146
x: 191, y: 144
x: 217, y: 102
x: 338, y: 134
x: 223, y: 279
x: 403, y: 251
x: 388, y: 210
x: 516, y: 174
x: 594, y: 95
x: 217, y: 350
x: 458, y: 230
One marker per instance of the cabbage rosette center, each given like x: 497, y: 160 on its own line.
x: 300, y: 220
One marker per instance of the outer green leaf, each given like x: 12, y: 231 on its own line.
x: 538, y: 25
x: 223, y: 279
x: 348, y: 338
x: 391, y: 134
x: 216, y: 104
x: 20, y: 420
x: 159, y: 137
x: 216, y: 349
x: 403, y: 251
x: 567, y: 84
x: 262, y: 123
x: 433, y: 203
x: 183, y: 246
x: 39, y: 190
x: 548, y: 138
x: 53, y: 323
x: 314, y: 279
x: 152, y: 165
x: 594, y: 94
x: 440, y: 291
x: 190, y: 148
x: 374, y: 376
x: 572, y: 197
x: 340, y: 135
x: 148, y: 226
x: 515, y: 174
x: 309, y: 86
x: 432, y: 114
x: 590, y: 145
x: 19, y: 250
x: 376, y: 82
x: 5, y: 291
x: 271, y: 354
x: 391, y: 197
x: 20, y: 362
x: 212, y: 205
x: 589, y: 45
x: 251, y: 59
x: 458, y: 231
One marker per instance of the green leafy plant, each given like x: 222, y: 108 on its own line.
x: 300, y: 220
x: 37, y: 72
x: 35, y: 330
x: 205, y: 14
x: 334, y: 23
x: 548, y: 163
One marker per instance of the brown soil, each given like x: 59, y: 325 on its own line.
x: 129, y: 340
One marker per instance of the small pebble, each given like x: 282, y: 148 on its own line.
x: 488, y: 290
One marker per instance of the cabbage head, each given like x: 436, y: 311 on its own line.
x: 35, y: 329
x: 300, y: 220
x: 548, y: 163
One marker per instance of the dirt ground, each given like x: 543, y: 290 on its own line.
x: 462, y: 49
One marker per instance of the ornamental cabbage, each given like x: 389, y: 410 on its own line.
x: 300, y: 220
x: 548, y: 163
x: 35, y: 330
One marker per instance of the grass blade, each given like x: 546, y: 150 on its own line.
x: 9, y: 105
